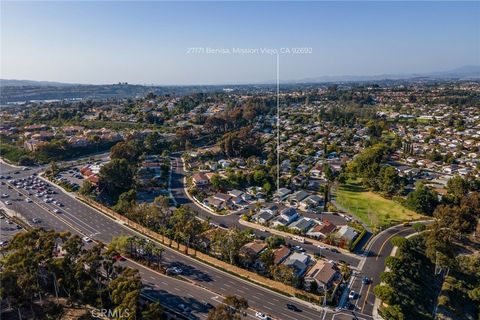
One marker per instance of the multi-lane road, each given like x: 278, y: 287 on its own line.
x: 205, y: 284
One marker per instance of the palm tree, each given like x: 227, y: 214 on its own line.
x: 157, y: 252
x: 131, y: 244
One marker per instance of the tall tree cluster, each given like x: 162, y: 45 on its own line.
x: 41, y: 265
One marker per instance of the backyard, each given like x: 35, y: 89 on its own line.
x: 371, y: 208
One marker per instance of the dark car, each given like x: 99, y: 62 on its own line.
x: 293, y: 307
x: 223, y: 225
x: 365, y: 280
x: 334, y: 250
x: 209, y: 305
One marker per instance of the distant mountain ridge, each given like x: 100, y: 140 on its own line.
x: 464, y: 72
x: 33, y: 83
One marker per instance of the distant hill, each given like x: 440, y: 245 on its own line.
x: 28, y: 90
x: 32, y: 83
x: 465, y: 72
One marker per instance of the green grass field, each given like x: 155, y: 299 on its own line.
x: 371, y: 208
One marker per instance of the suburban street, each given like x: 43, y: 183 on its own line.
x: 83, y: 220
x: 178, y: 191
x: 205, y: 283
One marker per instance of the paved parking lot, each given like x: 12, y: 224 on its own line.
x: 72, y: 176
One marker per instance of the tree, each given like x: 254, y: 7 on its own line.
x: 115, y: 177
x: 418, y: 227
x: 154, y: 311
x: 268, y: 259
x: 284, y: 274
x: 126, y: 202
x: 422, y: 200
x: 185, y: 225
x: 231, y: 309
x: 87, y: 188
x: 275, y: 241
x: 457, y: 188
x: 119, y: 244
x: 125, y: 292
x: 157, y: 253
x: 390, y: 182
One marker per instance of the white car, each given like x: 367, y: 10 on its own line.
x: 36, y: 220
x: 28, y: 200
x: 321, y: 247
x: 56, y: 211
x: 8, y: 202
x: 4, y: 195
x: 262, y: 316
x: 87, y: 239
x: 352, y: 295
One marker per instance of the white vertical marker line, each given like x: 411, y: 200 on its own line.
x: 278, y: 123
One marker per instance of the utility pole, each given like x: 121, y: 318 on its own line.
x: 278, y: 124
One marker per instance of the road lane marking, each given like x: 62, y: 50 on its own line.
x: 366, y: 297
x: 385, y: 242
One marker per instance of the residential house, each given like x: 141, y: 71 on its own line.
x: 299, y: 262
x: 323, y: 273
x: 322, y: 230
x: 311, y: 202
x: 347, y: 233
x: 302, y: 225
x: 281, y: 254
x: 282, y: 193
x: 251, y: 251
x: 200, y: 179
x: 289, y: 214
x: 297, y: 196
x: 262, y: 217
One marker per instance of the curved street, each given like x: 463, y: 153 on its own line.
x: 205, y: 283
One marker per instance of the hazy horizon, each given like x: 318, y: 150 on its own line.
x: 147, y: 42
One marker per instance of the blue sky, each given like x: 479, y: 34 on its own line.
x: 146, y: 42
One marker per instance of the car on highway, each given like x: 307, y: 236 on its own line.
x: 208, y: 305
x: 184, y: 308
x: 293, y: 307
x: 87, y: 239
x: 36, y: 220
x: 262, y: 316
x: 119, y: 258
x: 352, y: 295
x: 174, y: 270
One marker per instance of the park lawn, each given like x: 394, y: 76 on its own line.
x: 371, y: 208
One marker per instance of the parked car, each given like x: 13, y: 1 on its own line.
x: 352, y: 295
x: 36, y: 220
x: 365, y: 280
